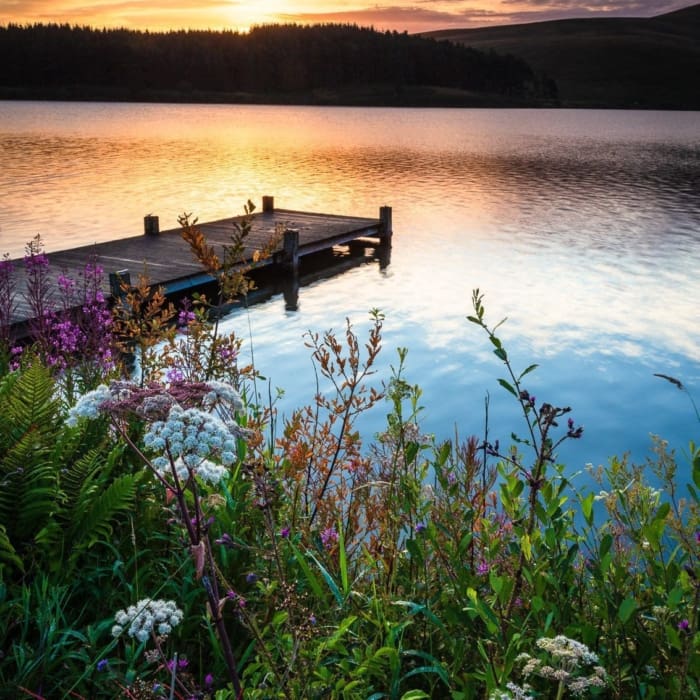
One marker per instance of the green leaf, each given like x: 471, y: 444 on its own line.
x: 313, y: 582
x: 501, y: 354
x: 627, y: 609
x: 411, y: 451
x: 443, y: 454
x: 507, y: 386
x: 414, y: 694
x: 527, y: 370
x: 696, y: 468
x: 414, y: 550
x: 587, y: 508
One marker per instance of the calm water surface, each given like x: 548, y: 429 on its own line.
x: 582, y: 227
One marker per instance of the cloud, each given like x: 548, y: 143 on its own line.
x: 409, y: 18
x: 129, y: 13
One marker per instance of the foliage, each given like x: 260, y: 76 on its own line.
x: 306, y: 562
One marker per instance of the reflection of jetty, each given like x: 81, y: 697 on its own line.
x: 168, y: 261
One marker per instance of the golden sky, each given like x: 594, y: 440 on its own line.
x: 411, y: 16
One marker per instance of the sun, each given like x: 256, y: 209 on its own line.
x: 246, y: 15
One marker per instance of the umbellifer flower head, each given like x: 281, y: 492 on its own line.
x: 147, y: 616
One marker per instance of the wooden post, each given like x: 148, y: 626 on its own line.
x: 290, y: 291
x: 116, y: 280
x: 151, y: 226
x: 268, y: 204
x: 385, y: 219
x: 290, y: 249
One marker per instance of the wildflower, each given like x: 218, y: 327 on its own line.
x: 174, y: 374
x: 146, y: 616
x: 225, y: 540
x: 284, y: 532
x: 329, y: 537
x: 185, y: 317
x: 564, y: 648
x: 697, y: 537
x: 191, y: 436
x: 89, y: 405
x: 482, y: 568
x: 251, y: 578
x: 222, y: 391
x: 236, y: 598
x: 683, y: 625
x: 208, y: 680
x: 102, y: 664
x: 180, y: 664
x: 419, y: 528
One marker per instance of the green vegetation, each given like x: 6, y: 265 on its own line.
x: 611, y: 62
x: 323, y: 64
x: 167, y: 535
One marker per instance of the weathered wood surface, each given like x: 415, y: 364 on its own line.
x: 168, y: 261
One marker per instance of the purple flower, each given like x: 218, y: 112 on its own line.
x: 102, y: 664
x: 174, y: 374
x: 329, y: 537
x: 225, y: 540
x: 684, y: 625
x: 284, y: 532
x: 251, y: 578
x: 185, y: 317
x: 208, y: 680
x: 482, y: 568
x: 232, y: 595
x: 181, y: 664
x: 697, y: 537
x: 420, y: 527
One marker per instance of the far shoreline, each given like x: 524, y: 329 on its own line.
x: 361, y: 96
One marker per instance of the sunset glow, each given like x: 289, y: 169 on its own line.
x: 238, y: 15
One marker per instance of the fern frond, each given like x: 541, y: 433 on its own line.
x: 97, y: 522
x: 8, y: 555
x: 31, y: 404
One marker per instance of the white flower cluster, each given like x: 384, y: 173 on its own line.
x: 147, y: 616
x: 571, y: 651
x: 222, y: 392
x: 514, y: 692
x: 192, y: 438
x: 89, y: 405
x: 569, y: 657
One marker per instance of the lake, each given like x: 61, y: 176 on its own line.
x: 581, y: 226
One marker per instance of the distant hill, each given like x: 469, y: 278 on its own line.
x: 613, y: 62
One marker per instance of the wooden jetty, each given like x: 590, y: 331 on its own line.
x: 168, y: 262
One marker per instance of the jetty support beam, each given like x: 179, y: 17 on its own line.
x: 387, y: 231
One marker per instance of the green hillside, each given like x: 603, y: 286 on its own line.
x: 612, y: 62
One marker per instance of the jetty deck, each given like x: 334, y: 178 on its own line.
x: 168, y: 262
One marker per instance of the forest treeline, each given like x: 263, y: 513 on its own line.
x: 281, y: 60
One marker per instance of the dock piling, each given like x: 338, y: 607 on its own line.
x: 268, y: 204
x: 151, y: 225
x: 290, y: 247
x: 386, y: 232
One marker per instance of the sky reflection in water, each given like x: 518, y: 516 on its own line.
x: 582, y: 227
